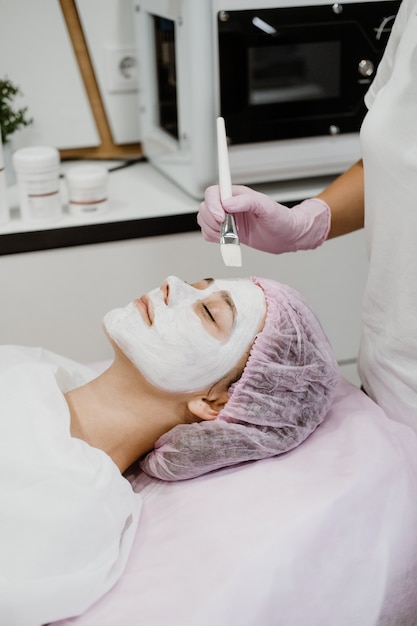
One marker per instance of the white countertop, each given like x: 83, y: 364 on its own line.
x: 139, y: 191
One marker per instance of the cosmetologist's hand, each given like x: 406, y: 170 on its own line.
x: 263, y: 223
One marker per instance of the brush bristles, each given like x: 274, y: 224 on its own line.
x: 231, y: 254
x: 229, y: 242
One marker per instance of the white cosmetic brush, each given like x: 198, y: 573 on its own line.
x: 229, y: 240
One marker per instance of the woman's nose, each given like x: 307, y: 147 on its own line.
x: 178, y: 291
x: 165, y: 291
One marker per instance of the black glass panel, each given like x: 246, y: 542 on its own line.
x: 164, y: 30
x: 296, y: 71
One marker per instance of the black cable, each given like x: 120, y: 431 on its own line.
x: 128, y: 163
x: 120, y: 166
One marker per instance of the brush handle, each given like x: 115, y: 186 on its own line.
x: 225, y: 181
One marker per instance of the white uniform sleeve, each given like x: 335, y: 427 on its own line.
x: 388, y: 60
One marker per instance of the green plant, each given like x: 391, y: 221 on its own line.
x: 11, y: 118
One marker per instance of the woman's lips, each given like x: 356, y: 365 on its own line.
x: 144, y: 307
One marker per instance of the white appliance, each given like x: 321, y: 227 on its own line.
x: 288, y: 77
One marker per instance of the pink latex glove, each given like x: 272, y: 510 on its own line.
x: 264, y: 224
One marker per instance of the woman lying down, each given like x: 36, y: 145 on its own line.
x: 204, y: 376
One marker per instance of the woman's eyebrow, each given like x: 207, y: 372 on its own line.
x: 225, y: 296
x: 209, y: 281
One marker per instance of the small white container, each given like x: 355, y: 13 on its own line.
x: 37, y: 173
x: 87, y: 189
x: 4, y: 206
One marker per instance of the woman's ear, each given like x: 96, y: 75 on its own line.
x: 207, y: 408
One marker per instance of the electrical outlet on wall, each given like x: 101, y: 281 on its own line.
x: 121, y: 69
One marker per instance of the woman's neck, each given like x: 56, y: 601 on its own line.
x: 120, y: 414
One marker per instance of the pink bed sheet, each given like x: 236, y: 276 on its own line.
x: 325, y: 535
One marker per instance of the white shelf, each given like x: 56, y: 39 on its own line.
x: 138, y: 192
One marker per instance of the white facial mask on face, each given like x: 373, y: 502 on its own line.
x: 176, y: 353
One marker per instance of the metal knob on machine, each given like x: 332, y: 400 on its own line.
x: 337, y: 8
x: 366, y: 68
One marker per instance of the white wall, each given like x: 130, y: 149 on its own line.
x: 109, y: 32
x: 37, y: 54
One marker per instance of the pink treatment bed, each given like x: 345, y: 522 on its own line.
x: 324, y: 535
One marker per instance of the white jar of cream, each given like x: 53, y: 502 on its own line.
x: 37, y: 174
x: 87, y: 189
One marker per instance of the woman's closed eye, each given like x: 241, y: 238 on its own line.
x: 217, y: 315
x: 208, y: 313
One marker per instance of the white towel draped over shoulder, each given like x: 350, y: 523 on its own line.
x: 67, y: 515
